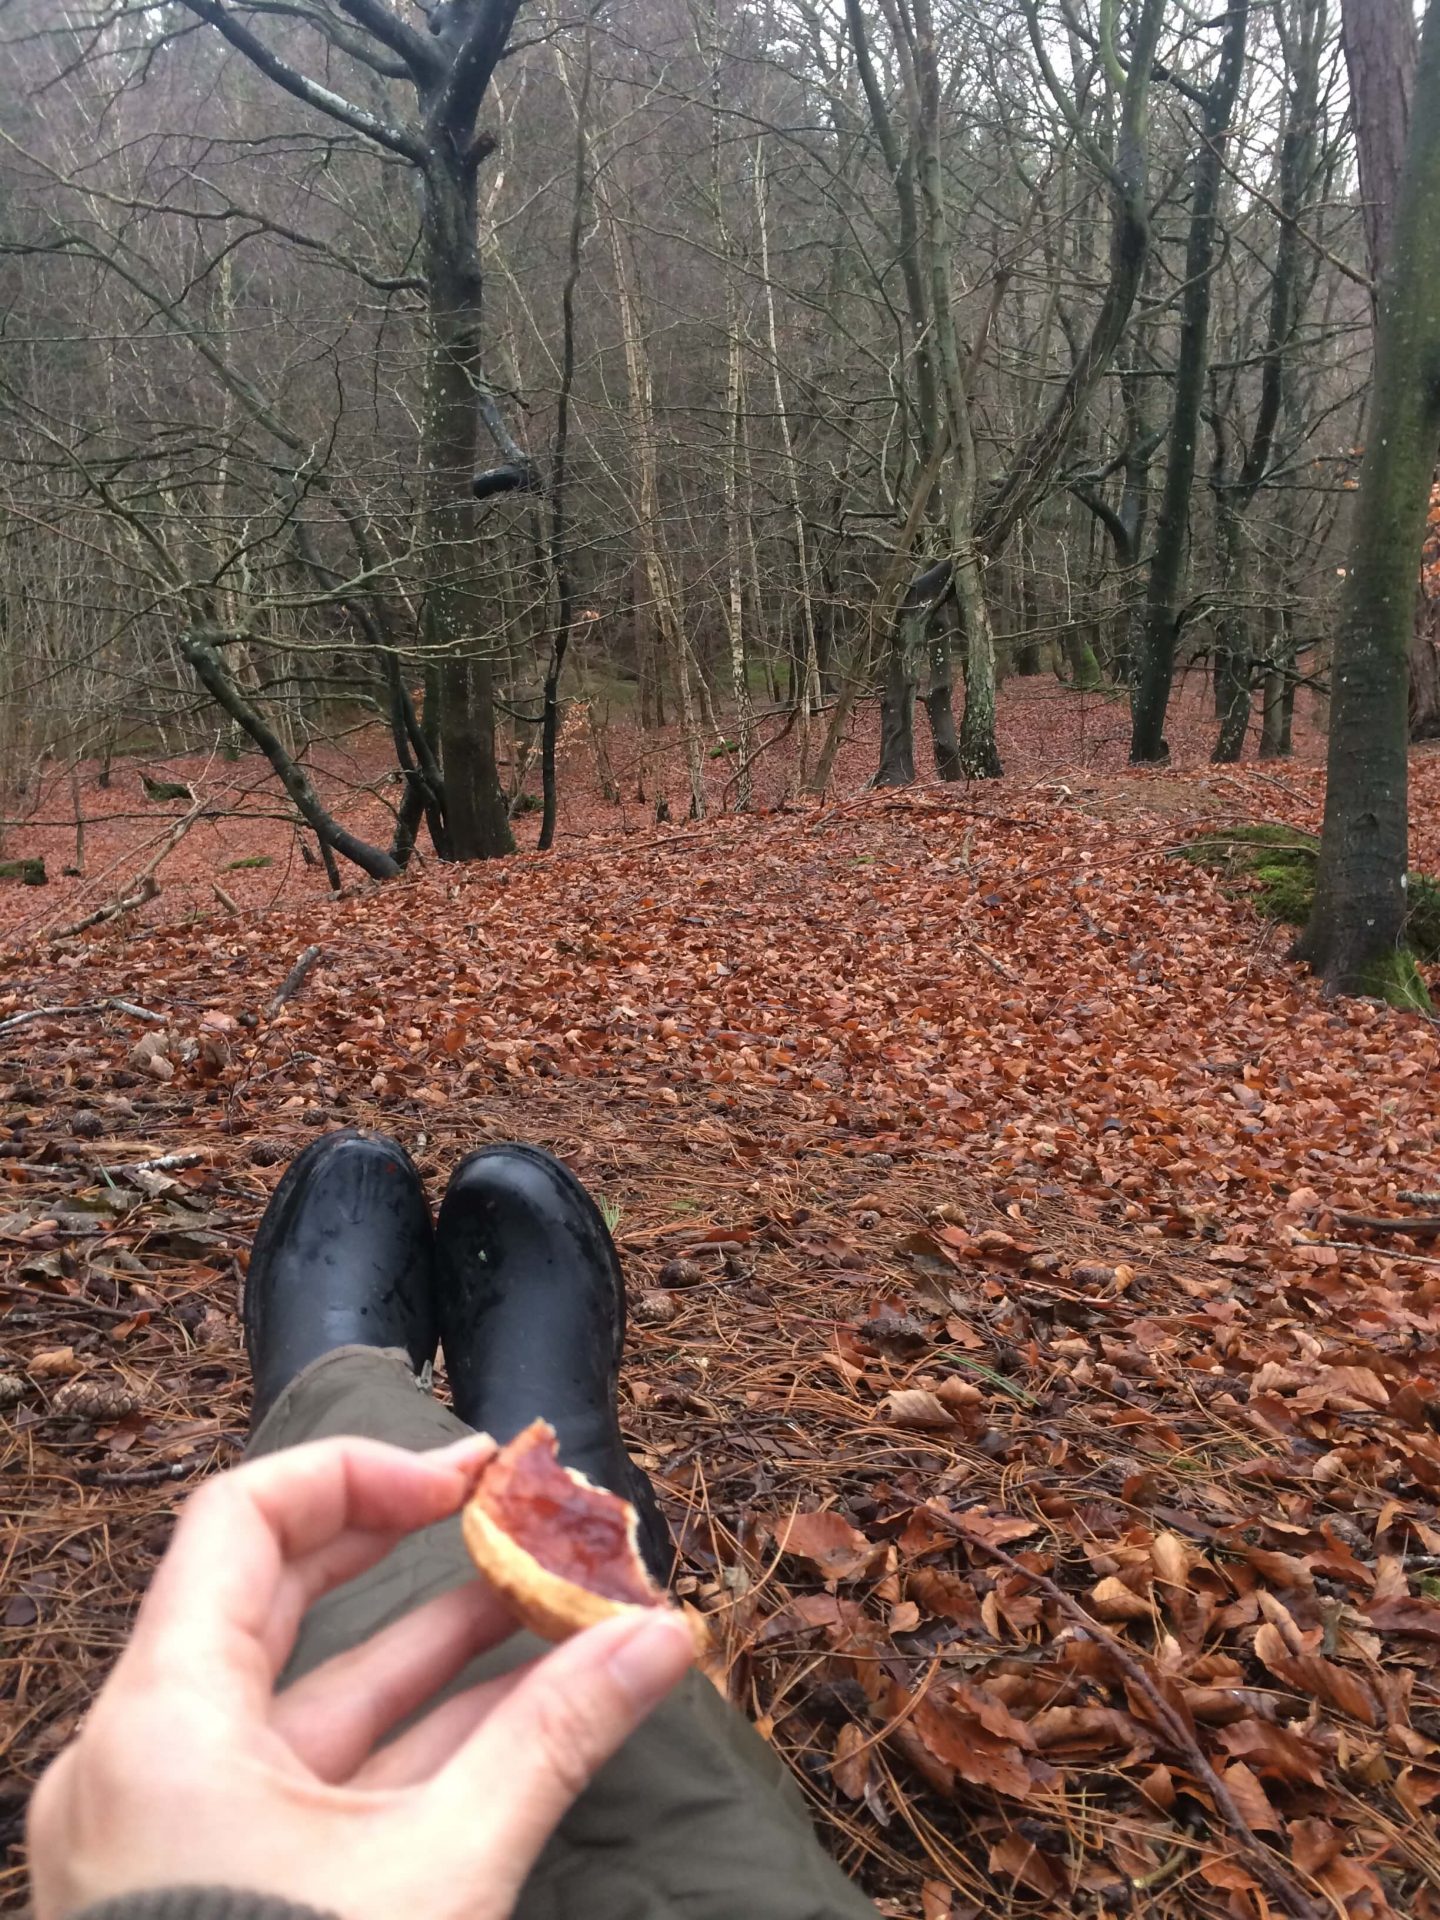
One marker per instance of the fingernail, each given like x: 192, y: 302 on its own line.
x: 467, y: 1458
x: 652, y: 1658
x: 460, y: 1454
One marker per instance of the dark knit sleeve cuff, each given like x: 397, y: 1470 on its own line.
x: 200, y: 1903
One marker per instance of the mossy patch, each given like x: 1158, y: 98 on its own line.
x: 1087, y: 676
x: 1422, y: 923
x: 1277, y: 864
x: 1397, y: 979
x: 250, y: 861
x: 1276, y: 861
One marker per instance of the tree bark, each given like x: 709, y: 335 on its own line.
x: 897, y: 700
x: 476, y: 817
x: 1360, y: 899
x: 1381, y: 49
x: 1424, y: 675
x: 940, y: 703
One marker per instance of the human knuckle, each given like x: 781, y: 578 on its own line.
x: 564, y: 1739
x: 211, y: 1497
x: 44, y: 1812
x: 111, y: 1754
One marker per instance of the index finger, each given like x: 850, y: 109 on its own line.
x: 256, y: 1545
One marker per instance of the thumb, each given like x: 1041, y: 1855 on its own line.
x: 547, y: 1738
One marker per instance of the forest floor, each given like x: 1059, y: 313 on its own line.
x: 1051, y: 1441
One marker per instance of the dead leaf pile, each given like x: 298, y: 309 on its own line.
x: 1059, y: 1467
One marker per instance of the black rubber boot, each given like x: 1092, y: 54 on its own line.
x: 345, y: 1256
x: 532, y: 1318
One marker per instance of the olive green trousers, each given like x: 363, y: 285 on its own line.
x: 694, y: 1817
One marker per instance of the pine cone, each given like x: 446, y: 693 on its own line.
x: 13, y: 1389
x: 654, y: 1308
x: 681, y: 1272
x: 94, y: 1400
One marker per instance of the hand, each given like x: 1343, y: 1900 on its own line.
x: 191, y: 1770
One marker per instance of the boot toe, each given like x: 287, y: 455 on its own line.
x: 532, y: 1317
x: 344, y: 1256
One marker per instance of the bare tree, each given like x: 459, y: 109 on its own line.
x: 1156, y: 665
x: 448, y: 71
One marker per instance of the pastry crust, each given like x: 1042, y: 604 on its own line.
x: 546, y: 1602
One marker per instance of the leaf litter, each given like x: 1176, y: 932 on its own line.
x: 1059, y: 1470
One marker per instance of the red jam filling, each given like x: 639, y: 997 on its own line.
x: 574, y: 1530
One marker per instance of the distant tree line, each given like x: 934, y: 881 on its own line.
x: 433, y: 365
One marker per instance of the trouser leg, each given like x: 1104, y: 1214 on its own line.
x: 694, y: 1817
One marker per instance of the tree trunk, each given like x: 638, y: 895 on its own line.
x: 1381, y: 49
x: 807, y: 663
x: 1167, y: 567
x: 1233, y: 643
x: 1086, y: 675
x: 1232, y: 671
x: 1279, y: 687
x: 978, y: 756
x: 939, y: 701
x: 897, y: 699
x: 1424, y: 699
x: 1127, y: 176
x: 1360, y: 900
x: 734, y: 409
x: 658, y: 578
x: 1234, y: 494
x: 559, y: 473
x: 903, y: 651
x: 1380, y: 54
x: 975, y: 539
x: 424, y: 789
x: 476, y: 817
x: 1026, y: 650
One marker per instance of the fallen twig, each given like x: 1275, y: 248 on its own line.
x: 163, y: 1163
x: 147, y: 889
x: 223, y: 897
x: 144, y: 886
x: 1425, y: 1225
x: 1280, y: 1884
x: 71, y: 1303
x: 1377, y: 1253
x: 138, y: 1476
x: 293, y: 981
x: 85, y: 1006
x: 47, y: 1013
